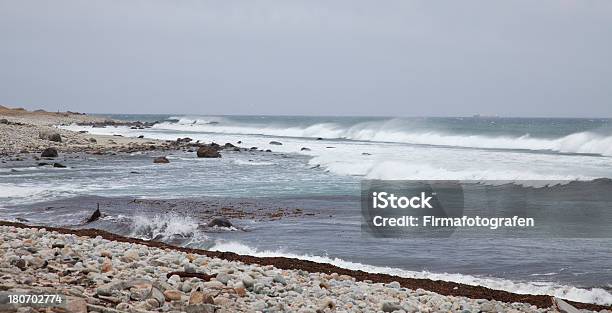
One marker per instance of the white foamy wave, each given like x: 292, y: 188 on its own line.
x: 395, y: 131
x: 10, y: 191
x: 255, y: 163
x: 19, y: 169
x: 594, y: 295
x: 197, y: 120
x: 402, y: 170
x: 394, y: 169
x: 164, y: 226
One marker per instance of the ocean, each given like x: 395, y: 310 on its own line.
x: 318, y: 169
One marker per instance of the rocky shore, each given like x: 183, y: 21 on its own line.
x: 97, y: 274
x: 27, y: 134
x: 31, y: 132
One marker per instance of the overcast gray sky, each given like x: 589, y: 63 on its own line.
x: 413, y: 58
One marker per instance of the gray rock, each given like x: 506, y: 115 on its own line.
x: 279, y: 279
x: 161, y: 160
x: 50, y: 135
x: 199, y: 308
x: 189, y: 268
x: 390, y: 306
x: 208, y: 152
x: 49, y: 153
x: 276, y: 143
x: 223, y: 278
x: 248, y: 282
x: 394, y: 285
x: 157, y: 295
x: 220, y: 222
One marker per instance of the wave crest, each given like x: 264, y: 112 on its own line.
x: 398, y: 131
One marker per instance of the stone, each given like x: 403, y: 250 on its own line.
x: 20, y: 264
x: 131, y: 255
x: 140, y: 292
x: 189, y: 268
x: 248, y: 282
x: 240, y: 291
x: 220, y: 222
x: 208, y: 152
x: 4, y: 121
x: 50, y: 135
x: 259, y: 305
x: 280, y: 279
x: 59, y: 165
x: 172, y: 295
x: 327, y: 303
x: 199, y: 308
x: 49, y: 153
x: 394, y: 285
x: 157, y: 295
x: 276, y: 143
x: 198, y: 297
x: 76, y: 305
x: 161, y: 160
x: 107, y: 266
x: 390, y: 306
x: 223, y: 278
x: 123, y: 306
x: 305, y: 149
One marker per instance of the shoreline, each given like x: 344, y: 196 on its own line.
x: 439, y: 287
x: 25, y: 132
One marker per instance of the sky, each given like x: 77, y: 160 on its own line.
x: 392, y: 58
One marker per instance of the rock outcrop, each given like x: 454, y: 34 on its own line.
x: 208, y: 152
x: 49, y: 153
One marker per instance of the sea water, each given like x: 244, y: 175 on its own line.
x: 325, y: 178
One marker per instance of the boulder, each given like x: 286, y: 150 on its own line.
x: 276, y: 143
x: 208, y: 152
x: 59, y: 165
x: 50, y: 135
x: 220, y: 222
x: 161, y: 160
x: 93, y: 140
x: 49, y: 153
x: 4, y: 121
x: 305, y: 149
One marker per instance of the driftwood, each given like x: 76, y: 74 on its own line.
x: 202, y: 276
x: 564, y: 307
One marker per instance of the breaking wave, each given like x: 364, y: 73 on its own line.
x: 395, y: 130
x: 594, y: 295
x: 164, y: 227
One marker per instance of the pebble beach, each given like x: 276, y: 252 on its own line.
x: 98, y: 275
